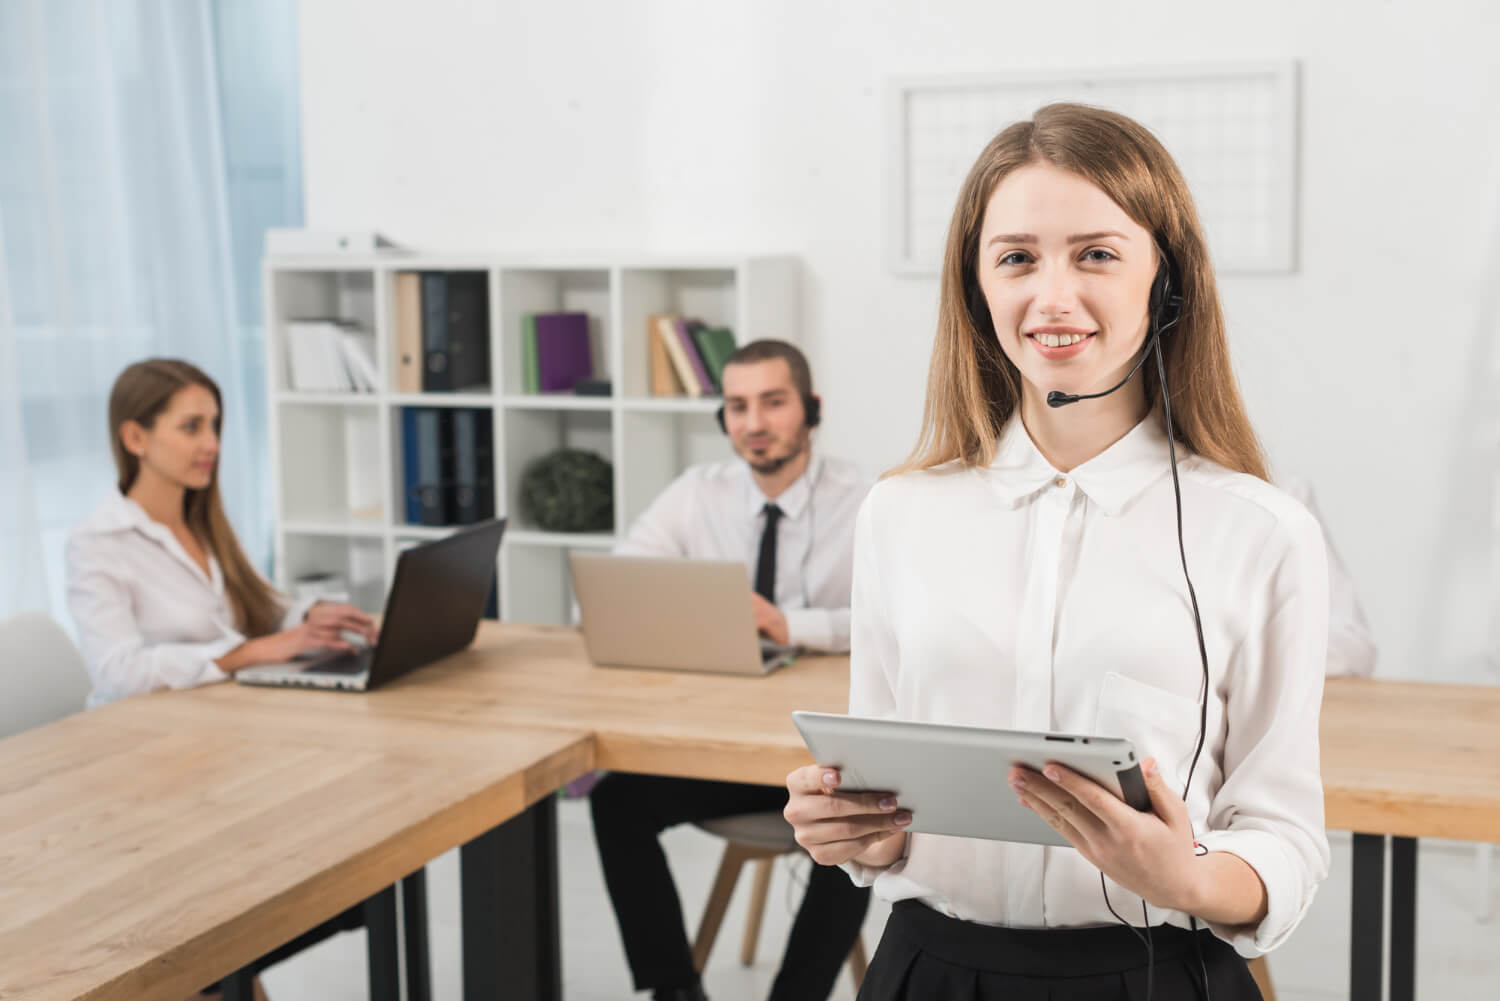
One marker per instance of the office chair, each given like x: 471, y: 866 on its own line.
x: 760, y: 838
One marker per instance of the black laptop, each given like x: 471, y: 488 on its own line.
x: 433, y: 610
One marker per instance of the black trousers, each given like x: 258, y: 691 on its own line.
x: 925, y: 956
x: 631, y: 810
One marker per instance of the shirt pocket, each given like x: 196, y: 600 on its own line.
x: 1161, y: 724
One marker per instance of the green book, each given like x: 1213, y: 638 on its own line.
x: 715, y: 345
x: 530, y: 372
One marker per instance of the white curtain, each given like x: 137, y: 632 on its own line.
x: 147, y: 145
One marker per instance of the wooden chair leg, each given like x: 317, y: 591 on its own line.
x: 757, y: 910
x: 1262, y: 974
x: 257, y: 991
x: 735, y: 856
x: 858, y: 964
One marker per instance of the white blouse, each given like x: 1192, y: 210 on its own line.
x: 147, y: 616
x: 715, y: 511
x: 1017, y: 596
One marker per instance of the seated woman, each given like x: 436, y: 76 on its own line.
x: 161, y: 592
x: 158, y: 585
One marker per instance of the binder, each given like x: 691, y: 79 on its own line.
x: 437, y: 376
x: 410, y: 476
x: 468, y: 329
x: 408, y: 332
x: 473, y: 466
x: 434, y: 486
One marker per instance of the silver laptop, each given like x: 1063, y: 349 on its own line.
x: 434, y: 608
x: 672, y: 614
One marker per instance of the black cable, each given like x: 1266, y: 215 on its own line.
x: 1145, y: 939
x: 1166, y: 403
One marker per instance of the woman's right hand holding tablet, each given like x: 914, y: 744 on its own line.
x: 836, y: 827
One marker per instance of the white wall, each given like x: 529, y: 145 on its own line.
x: 668, y: 126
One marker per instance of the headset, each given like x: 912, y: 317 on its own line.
x: 812, y: 412
x: 1165, y: 310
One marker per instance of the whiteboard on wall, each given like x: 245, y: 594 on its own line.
x: 1232, y: 129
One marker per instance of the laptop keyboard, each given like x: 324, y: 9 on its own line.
x: 355, y: 662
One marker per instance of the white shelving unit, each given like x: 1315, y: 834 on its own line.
x: 327, y: 447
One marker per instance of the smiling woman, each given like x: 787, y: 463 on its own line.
x: 1028, y: 569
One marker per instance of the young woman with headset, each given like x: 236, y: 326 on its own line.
x: 1084, y: 540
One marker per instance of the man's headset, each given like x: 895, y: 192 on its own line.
x: 812, y: 413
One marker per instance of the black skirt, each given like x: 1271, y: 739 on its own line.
x: 924, y: 956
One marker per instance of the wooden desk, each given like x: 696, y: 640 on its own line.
x: 140, y: 862
x: 659, y: 722
x: 1403, y: 760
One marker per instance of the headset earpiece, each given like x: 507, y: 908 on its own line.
x: 812, y: 413
x: 1166, y: 295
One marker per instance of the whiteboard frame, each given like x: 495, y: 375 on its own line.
x: 1283, y: 76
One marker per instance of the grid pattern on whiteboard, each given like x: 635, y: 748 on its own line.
x: 1232, y: 130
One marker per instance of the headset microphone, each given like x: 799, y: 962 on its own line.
x: 1056, y: 398
x: 1165, y: 311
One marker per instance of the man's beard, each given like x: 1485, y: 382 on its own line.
x: 770, y: 467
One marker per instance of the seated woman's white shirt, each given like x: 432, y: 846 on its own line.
x: 1021, y: 597
x: 147, y: 616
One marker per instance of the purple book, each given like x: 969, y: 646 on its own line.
x: 694, y: 359
x: 562, y: 350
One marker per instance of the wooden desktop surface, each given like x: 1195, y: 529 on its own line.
x: 143, y: 862
x: 181, y: 833
x: 1405, y: 758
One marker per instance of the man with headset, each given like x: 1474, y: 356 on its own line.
x: 789, y: 515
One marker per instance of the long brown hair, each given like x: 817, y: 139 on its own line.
x: 973, y: 388
x: 142, y: 393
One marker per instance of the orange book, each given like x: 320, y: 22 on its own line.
x: 665, y: 326
x: 664, y: 375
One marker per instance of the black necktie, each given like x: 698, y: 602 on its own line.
x: 765, y: 569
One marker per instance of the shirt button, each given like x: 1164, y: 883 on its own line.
x: 1061, y: 481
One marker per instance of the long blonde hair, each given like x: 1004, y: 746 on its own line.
x: 142, y: 393
x: 973, y: 389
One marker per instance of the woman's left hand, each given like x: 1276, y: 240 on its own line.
x: 1151, y: 854
x: 341, y: 618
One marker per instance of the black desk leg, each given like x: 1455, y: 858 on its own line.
x: 381, y: 946
x: 238, y: 986
x: 414, y: 921
x: 511, y: 932
x: 1403, y: 919
x: 1367, y: 928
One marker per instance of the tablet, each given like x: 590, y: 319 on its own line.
x: 953, y: 779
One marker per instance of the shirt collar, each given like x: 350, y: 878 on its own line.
x: 1111, y: 479
x: 118, y: 513
x: 793, y: 499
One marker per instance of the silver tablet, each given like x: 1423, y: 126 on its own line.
x: 953, y: 779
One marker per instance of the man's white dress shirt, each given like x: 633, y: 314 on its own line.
x: 147, y: 616
x: 716, y: 511
x: 1018, y: 596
